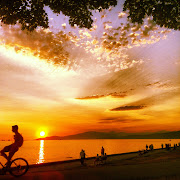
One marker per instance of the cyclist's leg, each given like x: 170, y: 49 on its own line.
x: 3, y: 154
x: 11, y: 154
x: 12, y: 151
x: 5, y: 149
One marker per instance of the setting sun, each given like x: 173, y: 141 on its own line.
x: 42, y: 133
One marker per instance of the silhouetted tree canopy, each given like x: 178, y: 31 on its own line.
x: 164, y: 12
x: 31, y: 13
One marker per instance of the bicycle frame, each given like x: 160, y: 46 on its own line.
x: 17, y: 170
x: 4, y: 169
x: 2, y: 165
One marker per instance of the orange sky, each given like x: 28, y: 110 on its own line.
x: 115, y: 77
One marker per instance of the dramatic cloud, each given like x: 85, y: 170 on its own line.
x: 85, y: 49
x: 41, y: 43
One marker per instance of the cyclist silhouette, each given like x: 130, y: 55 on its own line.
x: 14, y: 147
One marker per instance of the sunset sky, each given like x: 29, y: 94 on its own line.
x: 114, y: 77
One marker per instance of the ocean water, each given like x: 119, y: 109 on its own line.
x: 58, y: 150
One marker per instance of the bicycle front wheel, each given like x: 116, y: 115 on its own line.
x: 18, y: 167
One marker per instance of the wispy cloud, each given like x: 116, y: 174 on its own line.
x: 115, y: 95
x: 149, y: 101
x: 127, y: 108
x: 119, y: 120
x: 21, y: 80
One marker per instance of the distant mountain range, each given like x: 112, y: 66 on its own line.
x: 117, y: 135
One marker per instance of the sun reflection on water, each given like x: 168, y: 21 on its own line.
x: 41, y: 152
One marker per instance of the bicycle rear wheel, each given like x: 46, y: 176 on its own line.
x: 18, y: 167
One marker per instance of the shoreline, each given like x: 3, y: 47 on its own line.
x: 89, y: 158
x: 158, y: 164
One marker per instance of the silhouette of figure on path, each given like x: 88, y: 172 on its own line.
x: 82, y: 155
x: 102, y: 151
x: 14, y: 147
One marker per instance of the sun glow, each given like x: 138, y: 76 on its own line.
x: 42, y: 133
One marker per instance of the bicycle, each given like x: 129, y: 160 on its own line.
x: 17, y: 167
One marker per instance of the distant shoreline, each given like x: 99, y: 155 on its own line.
x: 93, y: 139
x: 98, y: 139
x: 115, y: 135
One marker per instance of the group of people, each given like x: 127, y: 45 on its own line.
x: 148, y: 148
x: 83, y: 156
x: 151, y: 147
x: 168, y: 146
x: 98, y: 158
x: 163, y: 146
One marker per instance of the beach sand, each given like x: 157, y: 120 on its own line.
x: 157, y: 164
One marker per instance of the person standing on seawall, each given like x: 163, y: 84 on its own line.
x: 102, y: 151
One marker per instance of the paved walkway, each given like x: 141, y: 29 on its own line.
x: 157, y: 165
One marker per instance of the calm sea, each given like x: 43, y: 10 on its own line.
x: 58, y: 150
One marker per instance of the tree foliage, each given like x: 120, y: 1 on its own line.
x: 31, y: 13
x: 164, y: 12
